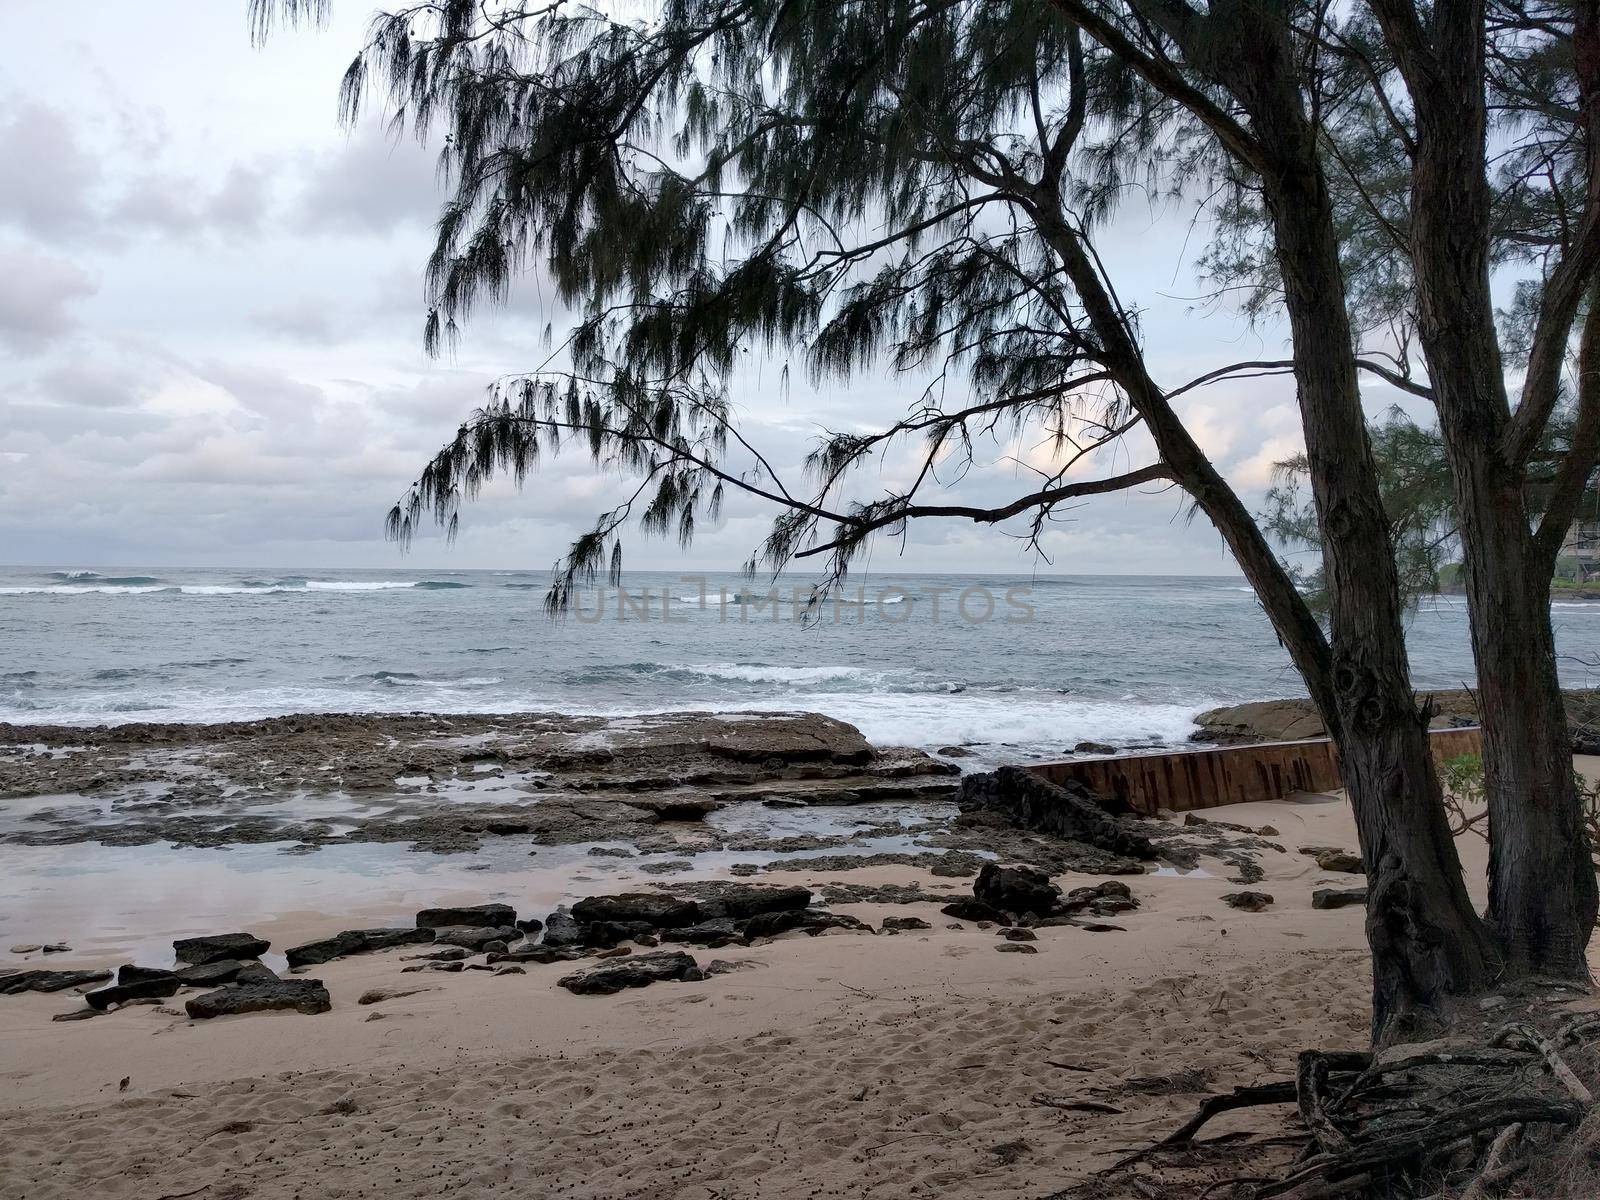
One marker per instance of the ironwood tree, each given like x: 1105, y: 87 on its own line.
x: 920, y: 182
x: 1425, y: 144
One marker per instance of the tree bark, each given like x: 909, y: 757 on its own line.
x: 1428, y: 944
x: 1542, y: 893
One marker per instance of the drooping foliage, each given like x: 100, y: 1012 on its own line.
x: 845, y: 186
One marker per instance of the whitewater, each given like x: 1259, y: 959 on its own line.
x: 1027, y: 664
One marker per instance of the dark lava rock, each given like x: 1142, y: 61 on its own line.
x: 900, y: 924
x: 606, y: 934
x: 1247, y: 901
x: 538, y: 954
x: 474, y: 938
x: 448, y: 954
x: 452, y: 966
x: 1016, y: 948
x: 129, y: 973
x: 1094, y: 748
x: 820, y: 922
x: 968, y: 909
x: 637, y: 970
x: 48, y: 981
x: 476, y: 915
x: 254, y: 972
x: 1018, y: 934
x: 77, y: 1014
x: 1104, y: 899
x: 561, y: 930
x: 299, y: 995
x: 710, y: 934
x: 355, y: 941
x: 719, y: 898
x: 1342, y: 861
x: 654, y: 909
x: 1016, y: 889
x: 1070, y: 811
x: 1338, y: 897
x: 224, y: 970
x: 197, y: 951
x: 157, y: 988
x: 529, y: 925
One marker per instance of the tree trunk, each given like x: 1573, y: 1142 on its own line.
x: 1428, y: 945
x: 1542, y: 893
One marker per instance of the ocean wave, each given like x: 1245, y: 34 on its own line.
x: 412, y: 679
x: 771, y: 673
x: 251, y: 587
x: 438, y: 585
x: 1003, y: 728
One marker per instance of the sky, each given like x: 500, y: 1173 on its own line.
x: 211, y: 309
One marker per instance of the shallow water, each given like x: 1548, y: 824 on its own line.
x: 130, y: 902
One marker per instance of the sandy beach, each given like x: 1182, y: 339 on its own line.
x: 845, y: 1064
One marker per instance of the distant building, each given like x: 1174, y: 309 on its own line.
x: 1582, y: 545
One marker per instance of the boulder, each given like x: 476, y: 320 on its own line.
x: 969, y: 909
x: 536, y: 954
x: 197, y: 951
x: 636, y: 970
x: 773, y: 923
x: 1259, y: 721
x: 474, y: 938
x: 655, y: 909
x: 561, y: 930
x: 145, y: 989
x: 1247, y: 901
x: 1016, y: 889
x: 48, y: 981
x: 476, y: 915
x: 720, y: 899
x: 223, y: 970
x: 129, y: 973
x: 1016, y: 948
x: 1338, y: 897
x: 297, y: 995
x: 710, y: 934
x: 1018, y: 934
x: 1104, y: 899
x: 1341, y: 861
x: 254, y: 972
x: 355, y: 941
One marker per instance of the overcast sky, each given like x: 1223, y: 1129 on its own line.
x: 210, y: 319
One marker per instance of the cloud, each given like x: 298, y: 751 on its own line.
x: 372, y: 184
x: 45, y: 189
x: 91, y: 385
x: 305, y: 320
x: 36, y: 296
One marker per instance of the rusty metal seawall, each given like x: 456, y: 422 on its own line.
x: 1180, y: 780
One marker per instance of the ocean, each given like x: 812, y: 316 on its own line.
x: 1026, y: 665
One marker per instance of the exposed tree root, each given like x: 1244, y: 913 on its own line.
x: 1488, y: 1113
